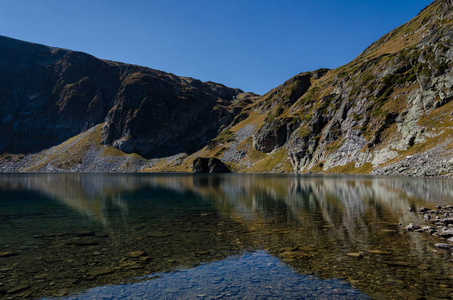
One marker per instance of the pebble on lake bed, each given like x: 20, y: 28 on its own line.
x: 8, y: 254
x: 443, y: 246
x: 136, y: 254
x: 412, y: 227
x: 353, y: 254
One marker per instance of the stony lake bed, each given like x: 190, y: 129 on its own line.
x: 154, y: 236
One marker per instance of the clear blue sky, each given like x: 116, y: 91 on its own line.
x: 253, y: 45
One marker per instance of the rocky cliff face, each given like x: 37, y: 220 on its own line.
x: 48, y: 95
x: 386, y: 112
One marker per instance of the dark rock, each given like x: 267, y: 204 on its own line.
x: 443, y: 246
x: 83, y: 243
x: 320, y: 73
x: 100, y: 272
x: 17, y: 289
x: 135, y: 267
x: 102, y: 235
x: 412, y: 227
x: 55, y: 234
x: 200, y: 165
x: 8, y: 254
x: 446, y: 233
x: 380, y: 252
x: 83, y: 233
x: 447, y: 221
x: 273, y: 135
x: 136, y: 254
x: 400, y: 264
x: 355, y: 254
x: 209, y: 165
x: 158, y: 234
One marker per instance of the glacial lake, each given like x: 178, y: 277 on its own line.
x: 232, y: 236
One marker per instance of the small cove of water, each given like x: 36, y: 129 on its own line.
x: 304, y: 236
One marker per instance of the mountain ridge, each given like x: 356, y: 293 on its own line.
x: 72, y: 91
x: 388, y: 111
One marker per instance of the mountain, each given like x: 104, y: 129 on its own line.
x: 389, y: 111
x: 49, y: 95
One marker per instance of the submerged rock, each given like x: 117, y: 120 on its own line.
x: 8, y: 254
x: 18, y: 289
x: 412, y: 227
x: 355, y: 254
x: 136, y: 254
x: 100, y: 272
x: 443, y: 246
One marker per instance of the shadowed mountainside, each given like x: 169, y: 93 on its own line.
x: 49, y: 95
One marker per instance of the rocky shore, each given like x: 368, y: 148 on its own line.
x: 439, y: 223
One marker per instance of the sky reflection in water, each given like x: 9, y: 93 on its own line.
x: 256, y: 275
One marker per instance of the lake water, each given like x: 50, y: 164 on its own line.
x: 234, y: 236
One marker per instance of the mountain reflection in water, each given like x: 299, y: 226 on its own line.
x: 329, y: 226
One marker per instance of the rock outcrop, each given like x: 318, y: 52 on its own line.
x: 390, y: 102
x: 209, y: 165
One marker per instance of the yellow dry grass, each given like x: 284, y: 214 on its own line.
x: 71, y: 152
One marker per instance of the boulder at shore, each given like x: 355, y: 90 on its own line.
x: 209, y: 165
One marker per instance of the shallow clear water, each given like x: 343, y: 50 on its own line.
x: 132, y: 236
x: 256, y: 275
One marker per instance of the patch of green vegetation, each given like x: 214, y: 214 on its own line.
x: 424, y: 69
x: 112, y: 151
x: 367, y: 78
x: 270, y: 162
x: 221, y: 150
x: 351, y: 169
x: 326, y: 101
x: 303, y: 132
x: 225, y: 136
x: 442, y: 67
x: 275, y: 113
x: 309, y: 96
x: 356, y: 116
x: 333, y: 146
x: 442, y: 47
x: 342, y: 74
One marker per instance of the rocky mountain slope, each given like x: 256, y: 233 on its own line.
x: 389, y: 111
x: 49, y: 95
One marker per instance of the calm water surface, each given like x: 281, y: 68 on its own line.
x: 110, y: 236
